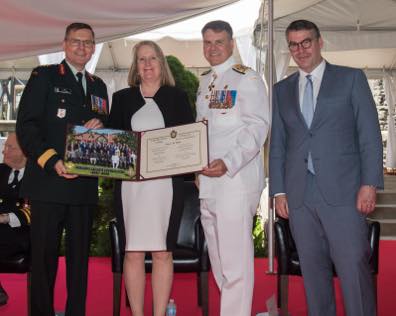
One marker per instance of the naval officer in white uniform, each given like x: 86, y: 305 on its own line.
x: 233, y: 99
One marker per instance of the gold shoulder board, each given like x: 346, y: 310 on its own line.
x: 240, y: 68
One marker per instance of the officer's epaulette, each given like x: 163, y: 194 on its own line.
x: 206, y: 72
x: 240, y: 68
x: 42, y: 67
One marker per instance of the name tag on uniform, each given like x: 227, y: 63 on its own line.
x: 62, y: 90
x: 222, y: 99
x: 98, y: 105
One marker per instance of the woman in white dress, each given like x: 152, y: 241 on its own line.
x: 152, y: 209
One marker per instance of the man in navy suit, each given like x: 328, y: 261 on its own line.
x: 325, y: 167
x: 14, y: 211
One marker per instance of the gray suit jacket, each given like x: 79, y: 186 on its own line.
x: 344, y: 138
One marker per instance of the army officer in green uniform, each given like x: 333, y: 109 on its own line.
x: 55, y: 96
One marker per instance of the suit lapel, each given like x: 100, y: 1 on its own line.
x: 324, y: 88
x: 90, y: 88
x: 295, y: 97
x: 70, y: 78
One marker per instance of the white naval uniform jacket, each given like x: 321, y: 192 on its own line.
x: 236, y: 134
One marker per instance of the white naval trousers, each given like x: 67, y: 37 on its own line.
x: 227, y: 222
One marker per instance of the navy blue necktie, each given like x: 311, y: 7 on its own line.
x: 15, y: 181
x: 80, y: 84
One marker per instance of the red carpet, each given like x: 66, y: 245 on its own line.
x: 99, y: 301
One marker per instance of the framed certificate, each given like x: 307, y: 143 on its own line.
x: 137, y: 155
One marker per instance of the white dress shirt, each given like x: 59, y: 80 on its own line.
x: 13, y: 219
x: 316, y: 77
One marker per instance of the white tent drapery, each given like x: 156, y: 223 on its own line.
x: 182, y: 39
x: 34, y: 27
x: 357, y: 33
x: 56, y: 58
x: 390, y: 96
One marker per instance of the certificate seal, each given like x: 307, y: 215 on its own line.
x: 173, y: 134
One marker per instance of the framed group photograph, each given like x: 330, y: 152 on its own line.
x: 101, y: 152
x: 137, y: 156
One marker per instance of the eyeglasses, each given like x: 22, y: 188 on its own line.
x: 77, y: 42
x: 304, y: 44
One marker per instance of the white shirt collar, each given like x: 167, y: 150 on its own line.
x: 20, y: 174
x: 317, y: 73
x: 74, y: 69
x: 219, y: 69
x: 317, y: 76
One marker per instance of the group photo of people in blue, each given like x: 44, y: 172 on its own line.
x: 102, y: 152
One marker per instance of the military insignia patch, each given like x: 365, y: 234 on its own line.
x: 61, y: 113
x: 90, y: 76
x: 222, y: 99
x: 62, y: 70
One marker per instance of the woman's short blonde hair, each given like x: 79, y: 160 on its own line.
x: 166, y: 74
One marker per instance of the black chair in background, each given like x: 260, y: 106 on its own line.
x: 19, y: 263
x: 191, y: 254
x: 289, y: 264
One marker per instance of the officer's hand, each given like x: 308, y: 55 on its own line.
x: 93, y: 124
x: 61, y: 170
x: 366, y: 197
x: 216, y: 168
x: 281, y: 207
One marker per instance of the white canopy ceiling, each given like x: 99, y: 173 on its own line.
x: 33, y: 27
x: 182, y: 39
x: 358, y: 33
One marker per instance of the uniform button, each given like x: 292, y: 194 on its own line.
x: 63, y: 100
x: 311, y: 135
x: 305, y: 160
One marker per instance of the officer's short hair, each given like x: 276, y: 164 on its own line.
x: 218, y: 26
x: 305, y: 25
x: 75, y: 26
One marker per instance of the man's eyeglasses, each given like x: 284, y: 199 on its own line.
x: 305, y: 44
x: 77, y: 42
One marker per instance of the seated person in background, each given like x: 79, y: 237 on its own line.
x: 14, y: 212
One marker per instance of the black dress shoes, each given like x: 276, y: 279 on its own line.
x: 3, y: 296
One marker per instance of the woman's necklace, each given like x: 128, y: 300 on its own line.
x: 148, y: 95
